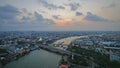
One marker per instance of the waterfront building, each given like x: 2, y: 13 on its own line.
x: 63, y: 66
x: 115, y: 56
x: 63, y: 62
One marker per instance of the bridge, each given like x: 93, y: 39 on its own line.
x: 61, y: 51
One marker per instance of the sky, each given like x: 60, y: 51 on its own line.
x: 59, y: 15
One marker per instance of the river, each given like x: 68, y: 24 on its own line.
x: 41, y: 58
x: 36, y: 59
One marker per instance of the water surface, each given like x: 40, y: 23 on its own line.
x: 36, y: 59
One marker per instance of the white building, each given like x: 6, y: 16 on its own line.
x: 40, y: 39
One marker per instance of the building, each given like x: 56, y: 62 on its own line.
x: 40, y: 39
x: 63, y: 66
x: 115, y: 56
x: 63, y: 62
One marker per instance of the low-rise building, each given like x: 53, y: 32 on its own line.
x: 115, y: 56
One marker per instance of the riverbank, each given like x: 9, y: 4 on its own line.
x: 15, y: 56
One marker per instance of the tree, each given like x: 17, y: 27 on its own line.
x: 114, y: 64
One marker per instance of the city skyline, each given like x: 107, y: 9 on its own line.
x: 59, y: 15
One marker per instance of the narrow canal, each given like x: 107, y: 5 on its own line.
x: 36, y: 59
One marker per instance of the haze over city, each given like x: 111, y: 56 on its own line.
x: 59, y: 15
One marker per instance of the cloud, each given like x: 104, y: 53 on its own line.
x: 12, y: 18
x: 50, y: 6
x: 110, y: 6
x: 8, y: 16
x: 26, y: 19
x: 78, y: 14
x: 42, y: 21
x: 74, y: 6
x: 38, y: 16
x: 8, y: 12
x: 56, y: 16
x: 49, y: 22
x: 38, y: 19
x: 61, y: 7
x: 93, y: 17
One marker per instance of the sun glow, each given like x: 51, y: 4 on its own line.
x: 63, y: 22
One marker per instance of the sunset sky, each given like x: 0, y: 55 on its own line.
x: 59, y: 15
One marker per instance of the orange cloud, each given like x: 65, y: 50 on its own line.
x: 62, y: 22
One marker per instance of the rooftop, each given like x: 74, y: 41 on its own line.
x: 63, y: 66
